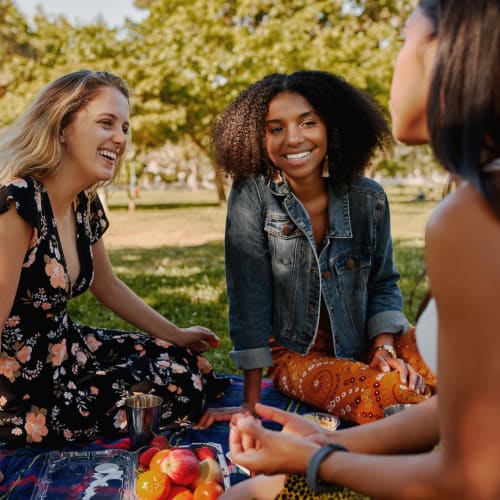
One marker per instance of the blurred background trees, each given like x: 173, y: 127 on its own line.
x: 189, y: 58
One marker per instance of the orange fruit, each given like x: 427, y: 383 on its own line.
x: 158, y: 459
x: 208, y: 490
x: 152, y: 485
x: 179, y: 493
x: 183, y: 495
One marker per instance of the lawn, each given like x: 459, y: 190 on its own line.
x: 170, y: 251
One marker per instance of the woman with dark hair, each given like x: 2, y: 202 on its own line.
x: 446, y: 90
x: 61, y: 381
x: 311, y: 282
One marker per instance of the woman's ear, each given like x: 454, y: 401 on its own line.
x: 62, y: 140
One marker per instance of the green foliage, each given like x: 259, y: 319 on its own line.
x: 189, y: 58
x: 186, y: 284
x: 51, y: 47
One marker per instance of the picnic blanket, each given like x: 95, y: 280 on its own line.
x: 22, y: 467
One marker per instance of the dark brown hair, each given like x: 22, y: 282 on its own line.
x: 356, y: 126
x: 464, y: 100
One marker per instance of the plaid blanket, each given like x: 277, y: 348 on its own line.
x: 22, y: 467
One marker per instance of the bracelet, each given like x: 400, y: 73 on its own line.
x: 312, y: 480
x: 386, y: 347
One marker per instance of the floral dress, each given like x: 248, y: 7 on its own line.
x: 61, y: 381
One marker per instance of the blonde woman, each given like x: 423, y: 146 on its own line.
x: 61, y: 381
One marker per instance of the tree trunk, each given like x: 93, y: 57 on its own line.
x: 219, y: 183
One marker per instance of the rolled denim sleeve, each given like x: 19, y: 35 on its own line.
x: 385, y: 302
x: 249, y: 278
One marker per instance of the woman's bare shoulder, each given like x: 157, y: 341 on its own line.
x: 462, y: 245
x: 461, y: 216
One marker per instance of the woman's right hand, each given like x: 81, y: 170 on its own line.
x: 293, y: 423
x: 197, y: 338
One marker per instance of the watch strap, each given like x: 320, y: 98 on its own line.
x: 312, y: 469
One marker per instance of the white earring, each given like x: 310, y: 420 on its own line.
x: 326, y: 170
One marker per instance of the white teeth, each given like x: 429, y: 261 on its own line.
x: 108, y: 154
x: 298, y: 156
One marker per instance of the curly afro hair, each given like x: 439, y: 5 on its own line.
x: 356, y: 125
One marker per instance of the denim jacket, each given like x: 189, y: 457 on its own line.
x: 275, y: 277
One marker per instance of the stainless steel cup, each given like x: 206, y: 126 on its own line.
x: 393, y: 409
x: 143, y: 418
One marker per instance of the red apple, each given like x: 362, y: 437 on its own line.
x: 146, y: 456
x: 210, y: 470
x: 204, y: 452
x: 160, y: 442
x: 181, y: 466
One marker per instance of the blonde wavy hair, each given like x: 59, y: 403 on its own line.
x: 30, y: 145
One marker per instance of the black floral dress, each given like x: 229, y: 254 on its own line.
x: 61, y: 381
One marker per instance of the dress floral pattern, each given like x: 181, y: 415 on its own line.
x: 61, y: 381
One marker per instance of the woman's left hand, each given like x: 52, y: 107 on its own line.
x: 265, y: 451
x: 407, y: 373
x: 197, y: 338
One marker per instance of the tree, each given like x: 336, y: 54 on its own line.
x: 190, y: 58
x: 52, y: 46
x: 15, y: 44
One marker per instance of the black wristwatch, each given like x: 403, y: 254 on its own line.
x: 312, y: 469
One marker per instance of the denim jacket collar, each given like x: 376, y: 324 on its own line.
x: 338, y: 205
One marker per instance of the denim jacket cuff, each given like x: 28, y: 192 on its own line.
x: 252, y: 358
x: 387, y: 322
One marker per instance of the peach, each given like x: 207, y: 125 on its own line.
x: 181, y: 466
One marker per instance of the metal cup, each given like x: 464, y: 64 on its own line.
x: 397, y: 408
x: 143, y: 418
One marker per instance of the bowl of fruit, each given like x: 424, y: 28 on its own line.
x: 197, y: 471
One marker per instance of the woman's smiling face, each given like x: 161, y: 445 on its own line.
x: 296, y: 136
x: 96, y: 138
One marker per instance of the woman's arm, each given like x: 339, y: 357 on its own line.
x: 381, y: 476
x: 15, y: 235
x: 414, y: 430
x: 251, y: 395
x: 110, y: 291
x: 385, y: 302
x: 249, y: 285
x: 251, y: 388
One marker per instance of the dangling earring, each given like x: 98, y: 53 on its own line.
x: 277, y: 176
x: 326, y: 171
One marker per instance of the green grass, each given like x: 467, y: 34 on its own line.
x: 185, y: 281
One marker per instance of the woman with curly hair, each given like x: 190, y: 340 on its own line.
x: 312, y: 287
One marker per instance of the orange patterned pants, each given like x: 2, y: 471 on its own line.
x: 349, y: 389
